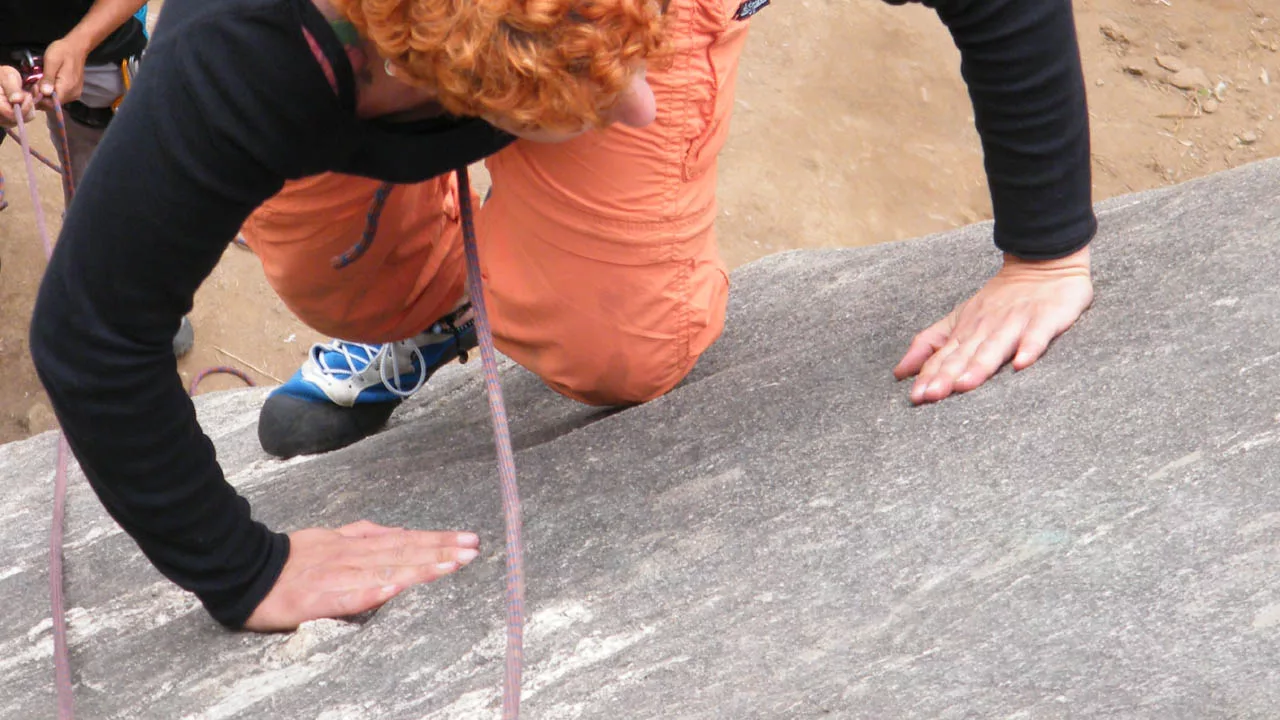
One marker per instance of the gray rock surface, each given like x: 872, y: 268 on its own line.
x: 783, y: 536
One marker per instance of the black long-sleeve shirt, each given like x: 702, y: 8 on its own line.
x: 232, y: 102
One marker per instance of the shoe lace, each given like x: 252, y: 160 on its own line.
x: 357, y: 356
x: 393, y: 381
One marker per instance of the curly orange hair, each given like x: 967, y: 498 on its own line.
x: 551, y: 64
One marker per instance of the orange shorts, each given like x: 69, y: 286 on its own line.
x: 598, y: 255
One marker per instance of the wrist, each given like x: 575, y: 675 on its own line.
x: 80, y: 41
x: 1076, y: 260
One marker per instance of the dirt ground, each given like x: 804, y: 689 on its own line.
x: 852, y: 127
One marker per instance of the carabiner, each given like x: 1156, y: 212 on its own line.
x: 31, y: 68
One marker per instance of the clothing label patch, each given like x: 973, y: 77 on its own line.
x: 749, y: 8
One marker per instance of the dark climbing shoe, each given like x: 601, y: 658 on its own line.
x: 345, y: 391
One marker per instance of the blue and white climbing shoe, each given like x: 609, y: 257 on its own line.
x: 345, y: 391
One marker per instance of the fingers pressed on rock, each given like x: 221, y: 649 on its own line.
x: 335, y: 578
x: 366, y: 528
x: 445, y: 561
x: 934, y: 364
x: 941, y: 370
x: 444, y: 538
x: 910, y: 363
x: 958, y: 361
x: 921, y: 385
x: 374, y: 572
x: 353, y: 602
x: 1035, y: 341
x: 407, y: 575
x: 420, y: 553
x: 973, y: 336
x: 991, y: 354
x: 922, y: 347
x: 925, y: 380
x: 414, y: 540
x: 939, y: 388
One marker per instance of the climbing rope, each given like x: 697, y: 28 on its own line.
x: 32, y: 73
x: 506, y: 462
x: 34, y: 153
x: 61, y: 659
x: 219, y: 370
x: 514, y: 664
x: 37, y: 154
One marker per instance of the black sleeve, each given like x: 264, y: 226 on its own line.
x: 1021, y: 62
x: 222, y: 113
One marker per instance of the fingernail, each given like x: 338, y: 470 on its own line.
x: 934, y: 387
x: 46, y: 89
x: 447, y: 566
x: 965, y: 378
x: 467, y: 555
x: 468, y: 539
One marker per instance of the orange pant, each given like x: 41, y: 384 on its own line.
x: 598, y: 255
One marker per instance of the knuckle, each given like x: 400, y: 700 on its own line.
x: 444, y: 555
x: 989, y: 355
x: 403, y: 552
x: 1035, y: 340
x: 422, y: 574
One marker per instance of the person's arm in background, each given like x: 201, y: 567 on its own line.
x: 14, y: 98
x: 65, y: 58
x: 1021, y: 62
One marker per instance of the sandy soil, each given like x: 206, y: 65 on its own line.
x: 852, y: 127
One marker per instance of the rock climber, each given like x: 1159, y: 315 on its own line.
x: 600, y: 122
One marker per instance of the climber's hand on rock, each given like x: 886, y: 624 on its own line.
x: 343, y: 572
x: 1015, y: 315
